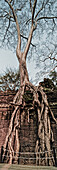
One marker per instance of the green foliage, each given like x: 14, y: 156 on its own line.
x: 53, y: 76
x: 10, y: 80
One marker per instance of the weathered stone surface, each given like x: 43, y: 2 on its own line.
x: 51, y: 92
x: 5, y: 113
x: 28, y: 130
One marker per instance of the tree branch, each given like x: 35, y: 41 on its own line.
x: 53, y: 68
x: 33, y: 11
x: 52, y: 58
x: 31, y: 31
x: 26, y: 39
x: 46, y: 17
x: 6, y: 30
x: 28, y: 42
x: 42, y: 7
x: 17, y: 25
x: 30, y: 6
x: 39, y: 10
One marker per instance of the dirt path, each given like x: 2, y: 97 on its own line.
x: 5, y: 167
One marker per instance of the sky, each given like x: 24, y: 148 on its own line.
x: 8, y: 60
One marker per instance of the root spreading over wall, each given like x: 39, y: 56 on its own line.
x: 30, y: 103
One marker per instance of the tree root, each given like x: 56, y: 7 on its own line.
x: 37, y: 99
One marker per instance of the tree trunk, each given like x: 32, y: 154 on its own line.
x: 23, y: 72
x: 30, y: 99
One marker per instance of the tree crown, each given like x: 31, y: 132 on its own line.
x: 43, y: 15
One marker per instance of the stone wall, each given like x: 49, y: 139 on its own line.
x: 51, y: 92
x: 28, y: 131
x: 5, y: 113
x: 28, y: 137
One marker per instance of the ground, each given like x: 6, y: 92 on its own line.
x: 24, y: 167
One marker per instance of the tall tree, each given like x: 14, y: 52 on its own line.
x: 42, y: 13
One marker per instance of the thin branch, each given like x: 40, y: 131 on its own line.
x: 27, y: 39
x: 53, y: 68
x: 30, y: 6
x: 49, y: 57
x: 52, y: 58
x: 17, y: 25
x: 42, y: 7
x: 31, y: 31
x: 23, y: 37
x: 3, y: 16
x: 39, y: 10
x: 33, y: 12
x: 11, y: 18
x: 28, y: 21
x: 46, y: 17
x: 18, y: 9
x: 6, y: 30
x: 28, y: 42
x: 6, y: 14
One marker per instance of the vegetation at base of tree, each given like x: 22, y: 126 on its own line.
x: 48, y: 84
x: 10, y: 80
x: 53, y: 77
